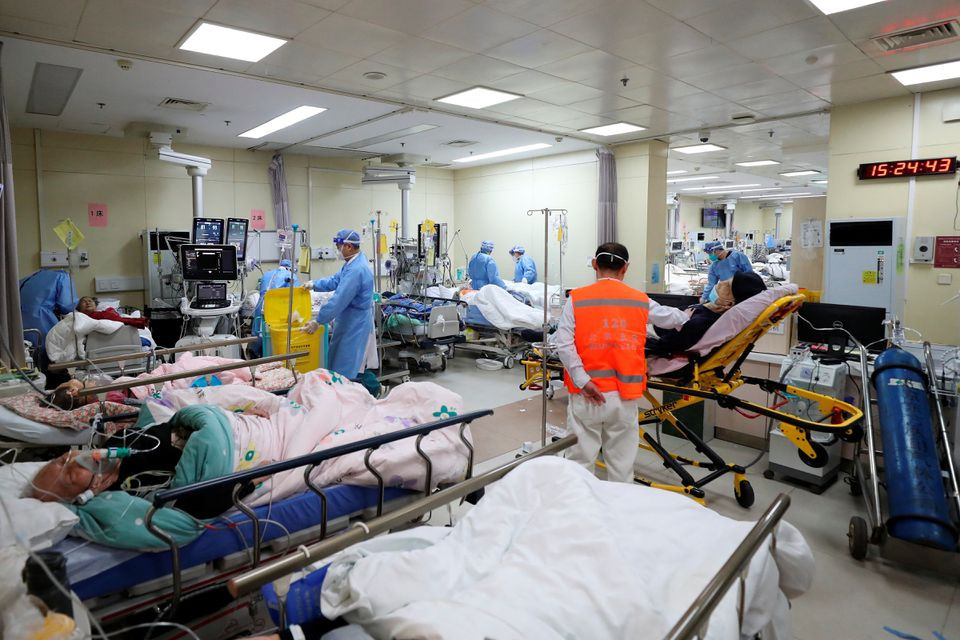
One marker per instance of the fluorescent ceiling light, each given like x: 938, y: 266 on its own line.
x: 796, y: 174
x: 613, y: 129
x: 503, y: 152
x: 282, y: 121
x: 756, y: 163
x: 836, y: 6
x: 818, y: 182
x: 227, y: 42
x: 675, y: 180
x: 698, y: 148
x: 727, y: 187
x: 676, y: 171
x: 813, y: 195
x: 778, y: 195
x: 929, y: 73
x: 479, y: 97
x: 715, y: 193
x: 786, y: 202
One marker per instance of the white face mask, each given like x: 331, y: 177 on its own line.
x: 516, y: 258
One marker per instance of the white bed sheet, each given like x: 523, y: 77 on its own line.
x: 16, y: 427
x: 552, y: 553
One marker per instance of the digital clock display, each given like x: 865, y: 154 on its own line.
x: 908, y: 168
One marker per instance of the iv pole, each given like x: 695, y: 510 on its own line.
x: 545, y: 374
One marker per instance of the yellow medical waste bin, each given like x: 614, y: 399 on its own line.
x: 276, y: 304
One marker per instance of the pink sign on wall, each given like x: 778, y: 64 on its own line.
x: 97, y: 214
x: 257, y: 219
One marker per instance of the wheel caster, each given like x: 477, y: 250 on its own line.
x: 550, y: 393
x: 744, y: 494
x: 405, y: 379
x: 509, y: 362
x: 857, y: 540
x: 856, y: 488
x: 443, y: 364
x: 769, y: 475
x: 820, y: 455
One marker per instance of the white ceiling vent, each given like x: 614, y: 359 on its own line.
x: 182, y: 104
x: 460, y: 143
x: 919, y: 36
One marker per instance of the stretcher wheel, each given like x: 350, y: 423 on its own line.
x: 856, y: 489
x: 550, y: 392
x: 743, y: 491
x: 854, y: 434
x: 857, y: 540
x: 820, y: 456
x: 509, y: 362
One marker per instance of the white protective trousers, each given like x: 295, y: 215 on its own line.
x: 611, y: 426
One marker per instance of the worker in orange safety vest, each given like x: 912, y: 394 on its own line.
x: 600, y: 340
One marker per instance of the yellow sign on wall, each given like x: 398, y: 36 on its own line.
x: 869, y: 277
x: 68, y: 233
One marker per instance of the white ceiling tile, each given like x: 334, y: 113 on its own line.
x: 409, y: 16
x: 428, y: 87
x: 789, y: 101
x: 195, y: 8
x: 817, y: 58
x: 838, y: 73
x: 527, y: 82
x: 611, y: 79
x: 696, y: 102
x: 537, y: 49
x: 860, y: 89
x: 566, y: 93
x: 736, y: 20
x: 587, y: 66
x: 584, y: 121
x: 132, y: 26
x: 689, y: 8
x: 662, y: 92
x: 479, y: 29
x: 58, y: 12
x: 478, y: 70
x: 523, y: 107
x: 613, y: 21
x: 542, y: 13
x: 696, y: 63
x: 349, y: 35
x: 552, y: 115
x: 604, y: 104
x: 284, y: 18
x: 729, y: 77
x: 265, y: 70
x: 756, y: 89
x: 659, y: 45
x: 329, y: 5
x: 354, y: 74
x: 307, y: 60
x: 798, y: 36
x: 420, y: 54
x: 61, y: 32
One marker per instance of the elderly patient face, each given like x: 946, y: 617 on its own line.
x: 63, y: 479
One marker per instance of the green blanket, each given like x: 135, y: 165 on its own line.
x: 117, y: 519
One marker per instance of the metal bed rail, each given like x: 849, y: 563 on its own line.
x: 311, y: 460
x: 195, y: 373
x: 693, y: 623
x: 135, y: 355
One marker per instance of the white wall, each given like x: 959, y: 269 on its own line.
x: 491, y: 203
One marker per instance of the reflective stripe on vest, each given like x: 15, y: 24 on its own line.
x: 610, y: 320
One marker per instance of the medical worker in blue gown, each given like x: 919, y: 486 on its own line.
x: 724, y: 264
x: 351, y: 307
x: 526, y: 269
x: 43, y: 295
x: 274, y: 279
x: 482, y: 268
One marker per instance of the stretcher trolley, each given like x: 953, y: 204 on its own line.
x: 715, y: 375
x: 540, y: 371
x: 909, y: 483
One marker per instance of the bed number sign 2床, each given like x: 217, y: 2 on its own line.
x: 908, y: 168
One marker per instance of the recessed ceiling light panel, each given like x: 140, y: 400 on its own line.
x: 818, y: 182
x: 479, y: 98
x: 616, y: 129
x: 728, y: 187
x: 836, y: 6
x: 756, y: 163
x: 282, y: 121
x: 676, y: 172
x: 503, y: 152
x: 698, y: 148
x: 227, y: 42
x: 797, y: 174
x: 694, y: 179
x: 929, y: 73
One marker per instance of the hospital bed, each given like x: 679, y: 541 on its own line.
x: 711, y: 370
x: 426, y: 328
x: 187, y: 584
x: 484, y: 338
x: 728, y: 585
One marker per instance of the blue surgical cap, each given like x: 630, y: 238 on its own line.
x: 518, y: 249
x: 486, y: 246
x: 347, y: 236
x: 285, y: 263
x: 713, y: 246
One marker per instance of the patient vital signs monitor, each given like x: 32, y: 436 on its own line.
x: 208, y: 262
x: 207, y: 231
x: 237, y: 236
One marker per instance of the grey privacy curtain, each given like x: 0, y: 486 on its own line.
x: 11, y: 326
x: 607, y: 204
x: 278, y: 189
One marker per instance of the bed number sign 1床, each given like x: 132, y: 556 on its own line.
x: 908, y: 168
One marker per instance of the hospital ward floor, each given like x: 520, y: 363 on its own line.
x: 849, y: 599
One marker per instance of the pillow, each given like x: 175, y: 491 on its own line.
x: 30, y: 406
x: 34, y: 523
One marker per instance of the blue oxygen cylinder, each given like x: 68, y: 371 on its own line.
x: 916, y: 497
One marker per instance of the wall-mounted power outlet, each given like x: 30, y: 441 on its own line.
x: 944, y: 278
x: 118, y: 283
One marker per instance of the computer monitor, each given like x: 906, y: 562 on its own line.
x: 208, y: 262
x: 676, y: 245
x: 728, y: 244
x: 701, y: 236
x: 787, y: 243
x: 865, y: 323
x: 714, y: 218
x: 237, y: 236
x: 207, y: 231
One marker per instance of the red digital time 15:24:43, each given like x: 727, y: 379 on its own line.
x: 909, y: 168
